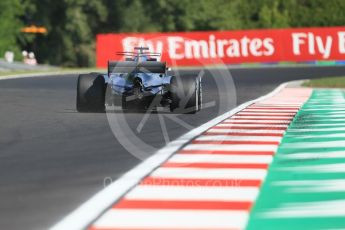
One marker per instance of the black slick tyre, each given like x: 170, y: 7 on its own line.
x: 185, y: 94
x: 91, y: 93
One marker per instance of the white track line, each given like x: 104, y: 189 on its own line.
x: 175, y: 219
x: 193, y: 193
x: 249, y: 131
x: 258, y: 121
x: 273, y: 110
x: 266, y: 117
x: 238, y: 138
x: 91, y: 209
x: 275, y: 105
x: 198, y: 173
x: 265, y: 113
x: 236, y: 147
x: 321, y: 155
x: 252, y: 125
x: 220, y: 158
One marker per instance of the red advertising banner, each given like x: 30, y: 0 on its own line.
x: 230, y: 47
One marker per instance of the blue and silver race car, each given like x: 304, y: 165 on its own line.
x: 140, y: 83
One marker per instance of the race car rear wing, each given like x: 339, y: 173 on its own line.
x: 139, y: 52
x: 135, y: 67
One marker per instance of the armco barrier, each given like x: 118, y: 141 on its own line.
x: 231, y: 47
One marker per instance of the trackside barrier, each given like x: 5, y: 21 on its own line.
x: 311, y: 45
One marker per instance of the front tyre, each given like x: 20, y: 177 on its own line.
x: 91, y: 93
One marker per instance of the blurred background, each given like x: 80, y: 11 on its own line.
x: 62, y: 33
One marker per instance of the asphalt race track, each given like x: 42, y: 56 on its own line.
x: 52, y: 158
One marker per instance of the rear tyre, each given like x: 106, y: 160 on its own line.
x: 185, y: 94
x: 91, y: 93
x: 199, y: 95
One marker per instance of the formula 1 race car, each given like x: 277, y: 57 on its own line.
x: 140, y: 83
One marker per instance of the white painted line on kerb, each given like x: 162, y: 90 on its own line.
x: 249, y: 131
x: 84, y: 215
x: 252, y: 125
x: 319, y: 209
x: 324, y: 168
x: 320, y: 144
x: 235, y: 147
x: 175, y: 219
x: 276, y: 105
x: 193, y: 193
x: 327, y: 110
x: 214, y: 174
x: 325, y: 106
x: 289, y: 114
x: 328, y: 116
x: 312, y: 120
x: 311, y: 125
x: 328, y: 129
x: 313, y: 186
x: 313, y: 156
x: 268, y: 121
x: 266, y: 117
x: 238, y: 138
x: 313, y: 136
x: 270, y: 111
x: 220, y: 158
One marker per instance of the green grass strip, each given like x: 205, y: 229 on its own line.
x: 305, y: 185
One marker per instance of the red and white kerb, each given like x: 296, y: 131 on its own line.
x: 211, y: 183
